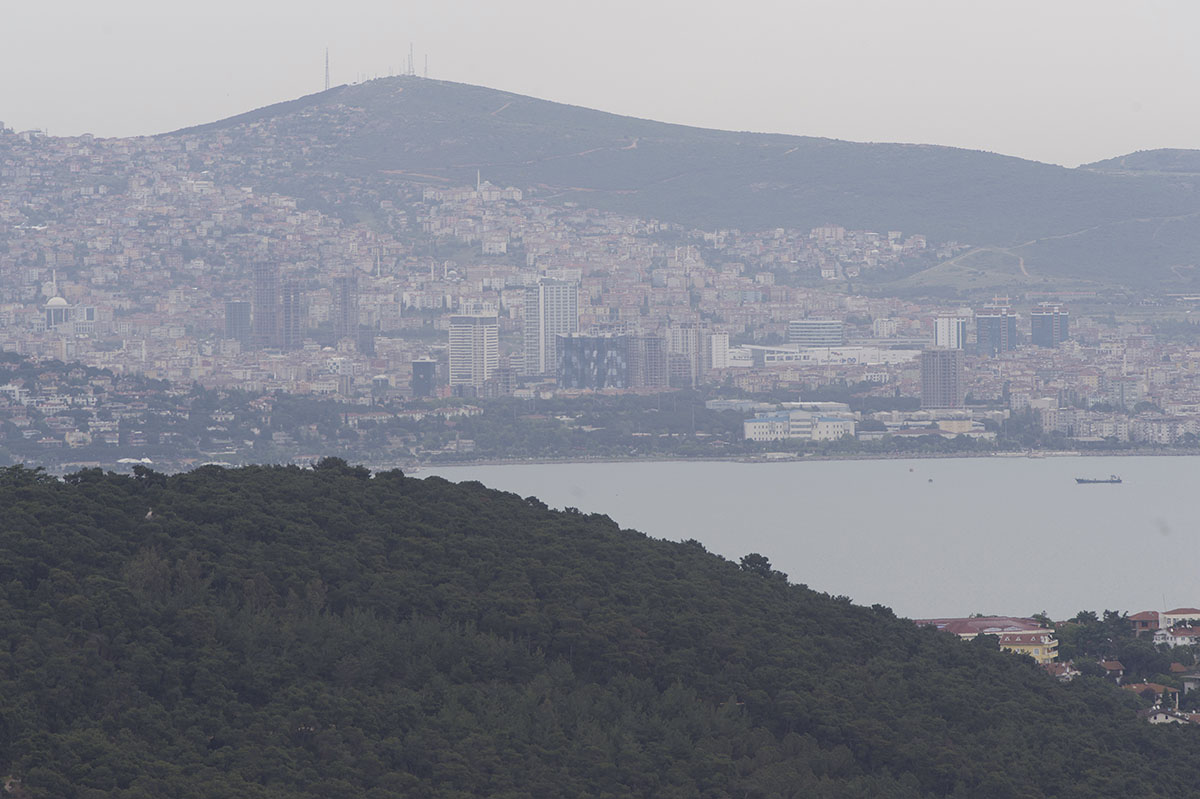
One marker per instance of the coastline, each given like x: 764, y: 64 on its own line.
x: 790, y: 458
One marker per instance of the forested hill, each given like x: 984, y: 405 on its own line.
x: 1115, y: 224
x: 277, y: 632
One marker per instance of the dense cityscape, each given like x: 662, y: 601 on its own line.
x: 666, y: 402
x: 132, y: 260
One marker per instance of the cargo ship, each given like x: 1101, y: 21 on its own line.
x: 1112, y: 478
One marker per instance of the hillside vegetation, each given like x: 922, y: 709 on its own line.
x: 1126, y: 224
x: 277, y: 632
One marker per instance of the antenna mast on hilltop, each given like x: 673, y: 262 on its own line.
x: 326, y: 69
x: 427, y: 65
x: 412, y: 67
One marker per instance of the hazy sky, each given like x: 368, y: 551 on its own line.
x: 1065, y: 81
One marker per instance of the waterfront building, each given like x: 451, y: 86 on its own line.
x: 689, y: 350
x: 647, y: 361
x: 942, y: 378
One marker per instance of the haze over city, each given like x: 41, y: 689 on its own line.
x: 524, y: 399
x: 1066, y: 82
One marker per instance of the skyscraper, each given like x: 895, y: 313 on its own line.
x: 474, y: 349
x: 424, y: 377
x: 942, y: 383
x: 345, y: 307
x: 237, y: 321
x: 1049, y: 324
x: 551, y: 310
x: 292, y: 320
x: 950, y: 331
x: 693, y: 341
x: 995, y: 329
x: 266, y: 304
x: 647, y: 362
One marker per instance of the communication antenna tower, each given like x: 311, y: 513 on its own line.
x: 412, y: 69
x: 427, y: 65
x: 326, y: 69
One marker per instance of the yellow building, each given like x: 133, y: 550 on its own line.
x: 1041, y: 645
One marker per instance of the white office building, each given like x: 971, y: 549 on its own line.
x: 551, y: 310
x: 816, y: 332
x: 950, y: 332
x: 474, y: 349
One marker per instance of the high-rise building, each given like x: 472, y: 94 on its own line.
x: 551, y: 310
x: 950, y: 331
x: 474, y: 349
x: 995, y: 329
x: 647, y: 361
x: 237, y: 321
x: 424, y: 378
x: 942, y: 381
x: 693, y: 341
x: 816, y: 332
x: 1049, y: 324
x: 345, y: 307
x: 266, y: 304
x: 593, y: 362
x: 719, y: 350
x: 291, y: 330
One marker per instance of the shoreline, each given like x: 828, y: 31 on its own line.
x: 788, y: 458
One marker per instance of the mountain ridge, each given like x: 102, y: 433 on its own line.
x: 1085, y: 223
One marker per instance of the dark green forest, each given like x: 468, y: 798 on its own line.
x: 286, y: 632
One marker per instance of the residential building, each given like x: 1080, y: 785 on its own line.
x: 942, y: 378
x: 690, y: 345
x: 474, y: 349
x: 551, y: 310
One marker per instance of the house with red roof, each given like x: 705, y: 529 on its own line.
x: 1147, y: 620
x: 1173, y: 618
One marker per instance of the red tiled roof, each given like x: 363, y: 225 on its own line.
x: 1113, y: 665
x: 1180, y: 611
x: 1145, y: 615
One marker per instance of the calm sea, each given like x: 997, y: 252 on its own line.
x: 932, y: 537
